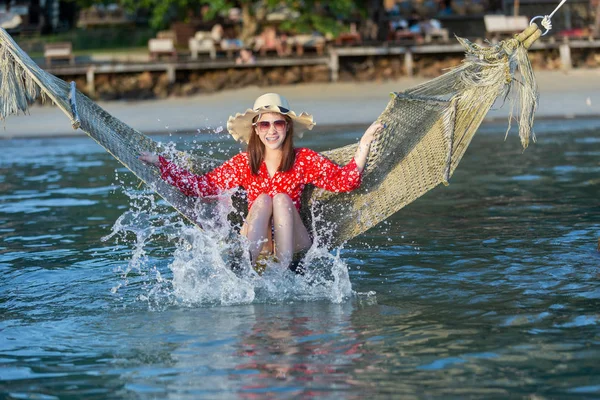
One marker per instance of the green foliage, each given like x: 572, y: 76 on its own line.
x: 89, y: 3
x: 162, y: 11
x: 107, y: 37
x: 100, y: 38
x: 315, y: 15
x: 321, y: 16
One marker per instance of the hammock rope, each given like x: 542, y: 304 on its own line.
x: 428, y: 129
x: 546, y: 20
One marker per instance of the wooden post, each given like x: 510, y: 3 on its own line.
x: 171, y: 73
x: 565, y: 56
x: 334, y: 65
x: 90, y: 77
x: 409, y: 63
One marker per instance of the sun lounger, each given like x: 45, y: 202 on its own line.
x: 158, y: 47
x: 497, y: 26
x: 202, y: 42
x: 303, y: 42
x: 59, y: 51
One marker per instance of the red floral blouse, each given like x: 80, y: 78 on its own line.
x: 309, y: 167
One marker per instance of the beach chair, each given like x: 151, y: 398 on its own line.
x: 231, y: 46
x: 168, y: 34
x: 499, y: 26
x: 437, y: 33
x: 225, y: 41
x: 352, y: 37
x: 58, y: 51
x: 158, y: 47
x: 202, y: 42
x: 310, y: 41
x: 433, y: 31
x: 405, y: 37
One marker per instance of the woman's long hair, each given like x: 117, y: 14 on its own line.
x: 256, y: 148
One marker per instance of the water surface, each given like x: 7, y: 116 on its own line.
x: 487, y: 288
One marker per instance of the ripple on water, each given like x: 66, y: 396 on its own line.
x: 527, y: 178
x: 493, y: 277
x: 38, y: 206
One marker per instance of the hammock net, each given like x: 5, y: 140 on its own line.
x: 428, y: 129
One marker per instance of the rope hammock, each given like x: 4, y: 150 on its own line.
x: 428, y: 129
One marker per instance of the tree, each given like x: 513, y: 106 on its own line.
x: 162, y: 12
x: 310, y: 15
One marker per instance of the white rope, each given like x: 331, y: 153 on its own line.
x: 546, y: 23
x: 556, y: 9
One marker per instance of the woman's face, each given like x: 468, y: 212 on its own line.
x: 271, y: 128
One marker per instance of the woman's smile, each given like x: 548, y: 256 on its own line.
x: 270, y: 130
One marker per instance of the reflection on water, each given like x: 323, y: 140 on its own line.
x: 486, y: 288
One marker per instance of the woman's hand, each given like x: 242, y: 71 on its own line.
x: 370, y: 134
x: 364, y: 146
x: 149, y: 158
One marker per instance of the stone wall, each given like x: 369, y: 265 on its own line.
x: 149, y: 85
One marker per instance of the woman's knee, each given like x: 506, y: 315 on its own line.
x: 282, y: 201
x: 263, y: 201
x: 261, y: 210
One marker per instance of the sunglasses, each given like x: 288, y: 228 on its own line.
x: 263, y: 126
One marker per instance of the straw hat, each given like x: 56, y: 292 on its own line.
x: 240, y: 125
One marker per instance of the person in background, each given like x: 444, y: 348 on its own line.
x: 245, y: 57
x: 269, y: 40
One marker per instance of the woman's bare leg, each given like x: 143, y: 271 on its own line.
x: 290, y: 233
x: 257, y: 227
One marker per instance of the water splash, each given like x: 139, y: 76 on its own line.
x: 198, y: 265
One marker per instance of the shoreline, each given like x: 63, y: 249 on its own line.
x: 501, y: 120
x: 563, y: 95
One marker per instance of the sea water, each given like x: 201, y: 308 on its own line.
x: 485, y: 288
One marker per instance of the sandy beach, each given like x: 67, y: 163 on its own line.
x: 570, y: 94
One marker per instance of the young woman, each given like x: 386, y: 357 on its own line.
x: 273, y: 172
